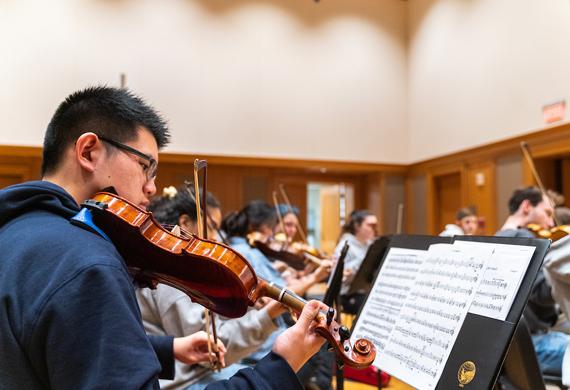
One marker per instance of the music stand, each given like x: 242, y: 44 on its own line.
x: 362, y: 282
x: 335, y: 280
x: 332, y: 296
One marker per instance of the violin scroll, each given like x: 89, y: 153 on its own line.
x: 359, y: 355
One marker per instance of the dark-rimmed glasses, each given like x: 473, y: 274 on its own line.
x: 149, y: 170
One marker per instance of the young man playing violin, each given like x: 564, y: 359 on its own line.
x: 68, y: 313
x: 529, y: 206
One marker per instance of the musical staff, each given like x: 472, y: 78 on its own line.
x: 433, y: 313
x: 501, y: 280
x: 419, y: 301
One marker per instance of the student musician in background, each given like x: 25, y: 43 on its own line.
x: 466, y: 224
x: 359, y: 231
x: 530, y: 206
x: 260, y: 217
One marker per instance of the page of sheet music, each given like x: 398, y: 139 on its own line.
x: 433, y: 313
x: 387, y: 296
x: 502, y: 278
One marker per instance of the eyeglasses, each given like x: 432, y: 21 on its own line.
x: 149, y: 170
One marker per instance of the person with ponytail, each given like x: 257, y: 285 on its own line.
x: 258, y: 216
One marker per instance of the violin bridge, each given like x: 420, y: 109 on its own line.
x: 176, y: 230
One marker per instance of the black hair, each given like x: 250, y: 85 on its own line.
x: 168, y: 209
x: 250, y: 218
x: 355, y: 219
x: 465, y: 212
x: 109, y: 112
x: 532, y: 194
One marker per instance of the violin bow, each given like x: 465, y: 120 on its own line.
x: 203, y: 233
x: 400, y: 218
x: 290, y: 207
x: 279, y: 216
x: 526, y: 152
x: 210, y: 221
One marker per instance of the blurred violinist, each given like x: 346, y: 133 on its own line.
x: 260, y: 217
x: 528, y: 206
x: 285, y: 234
x: 289, y: 222
x: 466, y: 223
x: 359, y: 231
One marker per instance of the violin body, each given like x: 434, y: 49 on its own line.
x: 210, y: 273
x: 277, y: 250
x: 218, y: 278
x: 554, y: 234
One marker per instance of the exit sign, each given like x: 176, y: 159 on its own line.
x: 554, y: 112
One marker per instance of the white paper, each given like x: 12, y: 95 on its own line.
x: 502, y: 278
x: 434, y: 311
x: 387, y: 296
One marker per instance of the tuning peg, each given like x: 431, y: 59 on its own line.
x: 330, y: 315
x: 344, y: 333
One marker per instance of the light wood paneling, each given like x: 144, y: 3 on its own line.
x: 481, y: 194
x: 447, y: 200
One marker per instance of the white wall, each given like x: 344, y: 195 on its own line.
x: 280, y: 78
x: 481, y: 70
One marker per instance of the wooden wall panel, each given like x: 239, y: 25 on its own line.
x: 447, y: 200
x: 416, y: 206
x: 509, y: 176
x: 394, y: 195
x: 481, y: 194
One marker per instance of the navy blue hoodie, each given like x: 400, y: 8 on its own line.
x: 68, y: 313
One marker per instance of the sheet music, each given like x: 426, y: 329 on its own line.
x: 502, y: 278
x: 433, y: 313
x: 387, y: 296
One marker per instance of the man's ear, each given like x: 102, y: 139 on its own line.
x: 88, y: 151
x: 525, y: 206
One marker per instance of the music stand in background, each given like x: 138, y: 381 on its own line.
x: 332, y: 299
x: 362, y: 282
x: 335, y: 280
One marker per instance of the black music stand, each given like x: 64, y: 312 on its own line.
x: 366, y: 274
x: 488, y: 348
x: 332, y: 296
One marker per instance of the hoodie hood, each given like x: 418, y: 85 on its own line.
x: 19, y: 199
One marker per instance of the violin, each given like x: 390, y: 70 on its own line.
x: 210, y: 273
x: 554, y: 234
x: 292, y: 254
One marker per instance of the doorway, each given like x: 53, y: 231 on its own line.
x: 328, y: 207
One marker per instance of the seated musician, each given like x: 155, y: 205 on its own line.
x: 290, y: 218
x: 68, y: 312
x: 529, y: 206
x: 286, y: 232
x: 359, y: 231
x: 466, y: 224
x: 258, y: 216
x: 168, y: 311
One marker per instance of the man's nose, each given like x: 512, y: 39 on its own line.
x: 149, y: 188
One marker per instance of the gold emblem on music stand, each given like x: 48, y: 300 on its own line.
x: 466, y: 373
